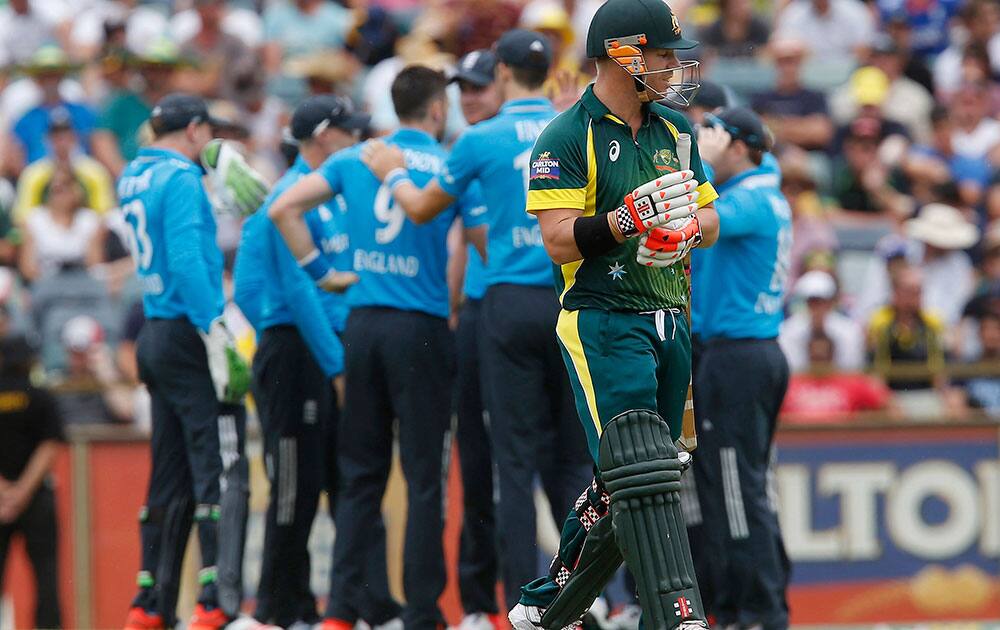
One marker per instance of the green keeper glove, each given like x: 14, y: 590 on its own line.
x: 230, y: 374
x: 239, y: 188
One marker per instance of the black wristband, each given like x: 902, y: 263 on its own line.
x: 593, y: 235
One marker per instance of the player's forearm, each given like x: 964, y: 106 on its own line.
x: 708, y: 218
x: 288, y: 218
x: 420, y: 205
x: 38, y: 466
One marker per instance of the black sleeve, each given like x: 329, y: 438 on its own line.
x: 48, y: 421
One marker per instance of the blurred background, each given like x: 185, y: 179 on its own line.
x: 885, y: 117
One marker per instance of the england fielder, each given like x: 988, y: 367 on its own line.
x: 195, y: 378
x: 298, y: 357
x: 737, y: 308
x: 619, y: 212
x: 399, y: 357
x: 477, y: 558
x: 533, y: 422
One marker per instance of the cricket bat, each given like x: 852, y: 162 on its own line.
x: 689, y: 435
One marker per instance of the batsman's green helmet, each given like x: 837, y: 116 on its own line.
x: 653, y: 20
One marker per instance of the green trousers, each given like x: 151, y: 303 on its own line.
x: 617, y: 362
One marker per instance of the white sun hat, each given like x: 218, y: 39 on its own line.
x: 942, y: 226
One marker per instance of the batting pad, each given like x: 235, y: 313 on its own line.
x: 641, y: 470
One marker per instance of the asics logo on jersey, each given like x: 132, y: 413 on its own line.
x: 614, y: 149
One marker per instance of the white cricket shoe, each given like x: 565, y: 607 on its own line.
x: 524, y: 617
x: 476, y: 621
x: 693, y: 624
x: 627, y: 618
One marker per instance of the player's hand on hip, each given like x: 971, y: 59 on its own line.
x: 382, y: 158
x: 656, y: 203
x: 665, y: 246
x: 239, y: 189
x: 230, y: 374
x: 337, y: 281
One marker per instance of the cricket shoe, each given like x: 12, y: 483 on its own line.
x: 693, y: 624
x: 476, y: 621
x: 246, y: 622
x: 626, y: 618
x: 139, y: 619
x: 204, y: 618
x: 523, y: 617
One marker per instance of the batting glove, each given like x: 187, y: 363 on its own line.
x: 239, y: 188
x: 230, y: 374
x: 657, y: 202
x: 665, y: 246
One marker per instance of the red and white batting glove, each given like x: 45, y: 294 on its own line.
x: 665, y: 246
x: 657, y: 202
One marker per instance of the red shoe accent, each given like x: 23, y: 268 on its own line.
x: 336, y: 624
x: 139, y: 619
x: 203, y: 619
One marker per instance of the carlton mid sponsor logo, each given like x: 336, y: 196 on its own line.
x: 545, y: 167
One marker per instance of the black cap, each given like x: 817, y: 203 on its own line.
x: 316, y: 113
x: 742, y: 124
x: 711, y: 96
x: 476, y: 67
x: 522, y: 48
x: 177, y: 111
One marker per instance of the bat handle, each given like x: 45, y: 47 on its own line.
x: 684, y: 150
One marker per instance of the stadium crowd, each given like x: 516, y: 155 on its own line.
x: 883, y: 114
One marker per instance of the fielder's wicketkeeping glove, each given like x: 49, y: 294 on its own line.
x: 665, y: 246
x: 230, y: 374
x: 657, y: 202
x: 239, y: 188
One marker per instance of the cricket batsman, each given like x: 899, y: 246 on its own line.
x: 620, y: 205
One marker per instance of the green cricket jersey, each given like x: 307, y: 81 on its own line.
x: 587, y: 159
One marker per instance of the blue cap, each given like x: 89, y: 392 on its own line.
x: 521, y: 48
x: 476, y: 68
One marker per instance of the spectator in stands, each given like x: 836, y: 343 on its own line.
x: 824, y: 395
x: 902, y: 334
x: 811, y: 228
x: 221, y: 59
x: 116, y: 140
x: 980, y: 20
x: 818, y: 290
x: 833, y: 30
x: 90, y: 390
x: 30, y: 432
x: 63, y: 232
x: 861, y: 181
x: 49, y: 66
x: 795, y: 114
x: 64, y: 155
x: 930, y: 166
x: 882, y: 90
x: 26, y: 26
x: 935, y: 243
x: 737, y: 32
x: 976, y: 134
x: 915, y: 65
x: 929, y: 22
x: 299, y: 27
x: 982, y: 391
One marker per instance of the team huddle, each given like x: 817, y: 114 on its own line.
x: 533, y: 279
